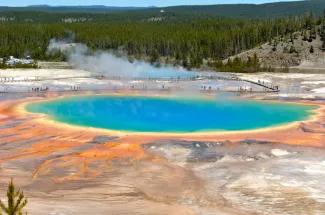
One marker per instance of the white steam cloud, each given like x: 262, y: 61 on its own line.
x: 108, y: 64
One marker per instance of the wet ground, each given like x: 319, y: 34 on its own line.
x: 163, y: 176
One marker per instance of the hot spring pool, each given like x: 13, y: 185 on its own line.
x: 153, y: 114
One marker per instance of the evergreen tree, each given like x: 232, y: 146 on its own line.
x: 249, y: 62
x: 305, y: 36
x: 155, y: 56
x: 292, y: 49
x: 311, y: 50
x: 256, y: 62
x: 313, y: 34
x: 16, y: 201
x: 185, y: 62
x: 275, y: 44
x: 285, y: 49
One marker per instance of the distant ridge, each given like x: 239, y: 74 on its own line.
x: 41, y: 5
x: 269, y: 10
x: 72, y: 9
x: 85, y: 6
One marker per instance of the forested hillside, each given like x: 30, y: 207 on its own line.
x: 258, y: 11
x: 191, y: 41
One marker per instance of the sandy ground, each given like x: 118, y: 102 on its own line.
x: 49, y: 73
x: 68, y: 170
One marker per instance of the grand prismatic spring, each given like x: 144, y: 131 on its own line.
x: 176, y: 114
x: 195, y: 146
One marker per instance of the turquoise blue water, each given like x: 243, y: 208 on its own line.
x: 162, y: 72
x: 150, y: 114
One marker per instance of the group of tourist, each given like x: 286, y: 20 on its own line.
x: 260, y: 82
x: 75, y: 88
x: 274, y: 87
x: 144, y: 87
x: 207, y: 87
x: 46, y: 89
x: 244, y: 89
x: 38, y: 89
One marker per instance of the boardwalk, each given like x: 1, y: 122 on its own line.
x: 195, y: 78
x: 265, y: 87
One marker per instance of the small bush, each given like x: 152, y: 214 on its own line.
x: 311, y: 50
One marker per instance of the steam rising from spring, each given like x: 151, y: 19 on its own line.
x: 108, y: 64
